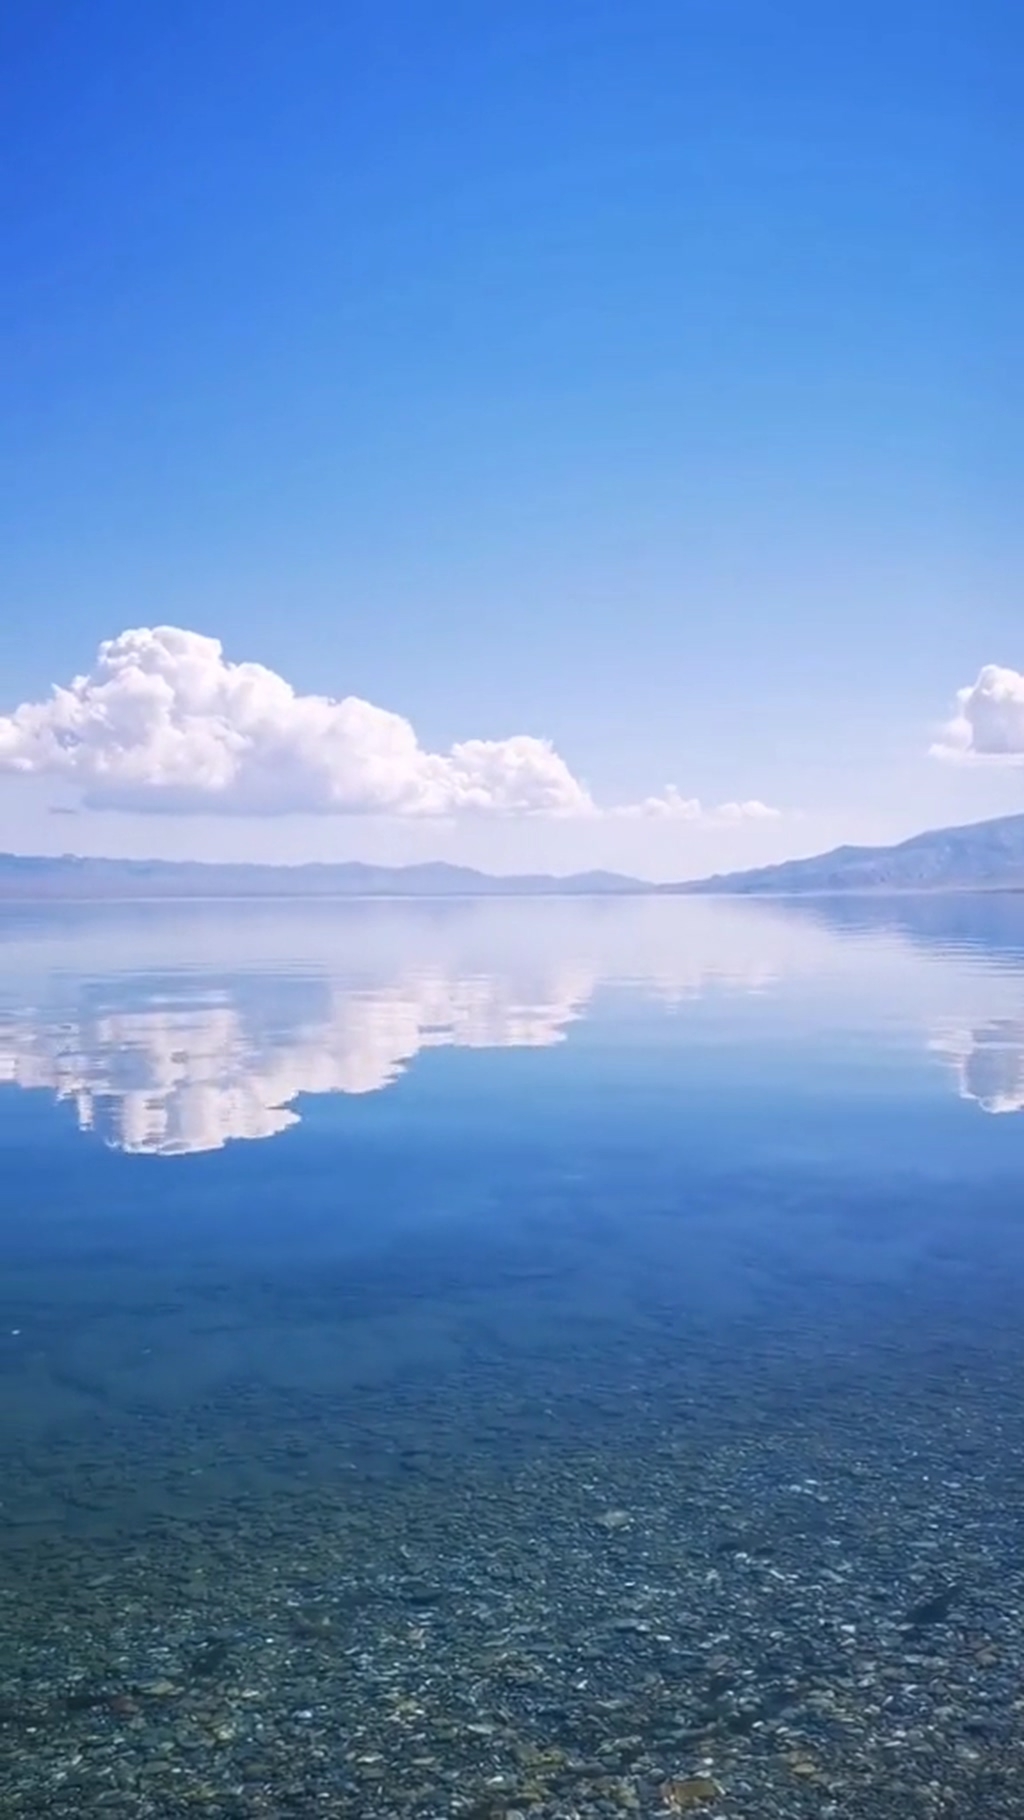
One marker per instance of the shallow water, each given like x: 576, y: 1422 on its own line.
x: 519, y: 1358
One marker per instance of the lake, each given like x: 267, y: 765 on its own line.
x: 547, y: 1358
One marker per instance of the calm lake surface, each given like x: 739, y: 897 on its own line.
x: 520, y: 1359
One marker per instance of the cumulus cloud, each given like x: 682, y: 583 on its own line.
x: 989, y: 721
x: 165, y: 721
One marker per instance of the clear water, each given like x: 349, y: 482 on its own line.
x: 512, y: 1358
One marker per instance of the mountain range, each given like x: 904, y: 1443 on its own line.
x: 983, y: 856
x: 31, y: 878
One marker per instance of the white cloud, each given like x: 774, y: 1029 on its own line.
x: 671, y: 805
x: 750, y: 811
x: 989, y: 722
x: 165, y: 722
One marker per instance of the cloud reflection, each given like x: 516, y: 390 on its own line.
x: 193, y: 1050
x: 988, y: 1063
x: 172, y: 1078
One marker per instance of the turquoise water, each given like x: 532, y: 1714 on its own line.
x: 491, y: 1359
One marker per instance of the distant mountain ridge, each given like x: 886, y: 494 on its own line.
x: 981, y: 856
x: 105, y: 880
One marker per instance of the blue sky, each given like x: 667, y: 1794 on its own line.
x: 645, y: 379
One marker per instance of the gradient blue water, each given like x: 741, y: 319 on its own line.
x: 296, y: 1148
x: 395, y: 1203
